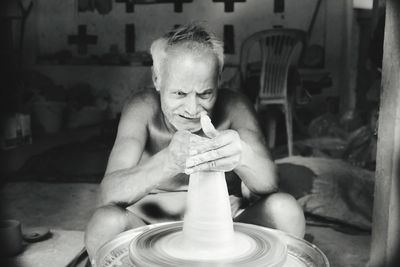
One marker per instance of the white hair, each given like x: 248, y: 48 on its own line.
x: 192, y: 37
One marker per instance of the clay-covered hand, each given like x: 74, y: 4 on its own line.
x: 221, y: 152
x: 178, y: 151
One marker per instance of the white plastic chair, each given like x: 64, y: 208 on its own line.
x: 279, y: 49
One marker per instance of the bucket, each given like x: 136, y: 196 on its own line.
x: 15, y: 130
x: 49, y: 115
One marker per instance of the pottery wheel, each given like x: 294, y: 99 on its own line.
x: 253, y: 247
x: 300, y: 253
x: 208, y: 236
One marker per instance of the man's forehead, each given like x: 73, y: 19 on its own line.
x: 182, y: 52
x: 187, y: 60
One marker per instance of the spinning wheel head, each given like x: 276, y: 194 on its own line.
x: 116, y: 252
x: 162, y: 246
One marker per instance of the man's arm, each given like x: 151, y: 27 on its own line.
x: 241, y: 148
x: 126, y: 181
x: 256, y: 168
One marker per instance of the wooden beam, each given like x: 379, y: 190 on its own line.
x: 348, y: 101
x: 377, y: 7
x: 385, y: 247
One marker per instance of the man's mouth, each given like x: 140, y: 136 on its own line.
x: 196, y: 118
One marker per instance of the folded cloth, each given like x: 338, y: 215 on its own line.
x: 330, y: 188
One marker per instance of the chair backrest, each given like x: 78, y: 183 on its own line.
x: 277, y: 48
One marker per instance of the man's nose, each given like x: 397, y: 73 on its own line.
x: 191, y: 105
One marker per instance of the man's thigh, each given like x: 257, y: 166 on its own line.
x: 255, y: 213
x: 277, y: 210
x: 160, y: 207
x: 170, y: 206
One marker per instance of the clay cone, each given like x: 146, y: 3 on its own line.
x: 208, y: 226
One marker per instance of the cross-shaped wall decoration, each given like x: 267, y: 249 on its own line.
x: 130, y: 4
x: 229, y: 4
x: 178, y: 5
x: 279, y: 6
x: 229, y: 39
x: 82, y: 39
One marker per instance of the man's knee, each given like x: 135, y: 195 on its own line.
x: 112, y: 216
x: 281, y: 203
x: 286, y: 213
x: 113, y: 219
x: 106, y: 222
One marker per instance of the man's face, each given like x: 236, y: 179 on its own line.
x: 188, y: 87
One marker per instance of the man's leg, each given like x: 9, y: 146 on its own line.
x: 279, y: 210
x: 106, y: 223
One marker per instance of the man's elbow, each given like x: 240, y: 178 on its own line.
x: 107, y: 198
x: 267, y: 189
x: 109, y: 195
x: 264, y: 187
x: 106, y: 195
x: 270, y: 184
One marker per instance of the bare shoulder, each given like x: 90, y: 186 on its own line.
x: 243, y: 118
x: 137, y: 113
x: 146, y: 101
x: 236, y: 107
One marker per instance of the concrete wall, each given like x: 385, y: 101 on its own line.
x: 53, y: 20
x: 59, y: 18
x: 120, y: 81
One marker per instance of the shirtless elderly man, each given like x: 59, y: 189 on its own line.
x: 158, y: 144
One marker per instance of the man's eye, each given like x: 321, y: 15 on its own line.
x: 205, y: 94
x: 180, y: 93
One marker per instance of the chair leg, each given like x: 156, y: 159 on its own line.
x: 270, y: 124
x: 257, y: 105
x: 289, y: 127
x: 271, y: 128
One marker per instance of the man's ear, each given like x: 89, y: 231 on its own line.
x: 156, y: 80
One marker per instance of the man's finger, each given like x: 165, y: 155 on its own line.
x: 211, y: 155
x: 196, y: 143
x: 215, y: 165
x: 208, y: 128
x: 218, y: 142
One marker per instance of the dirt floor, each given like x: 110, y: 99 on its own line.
x: 69, y: 207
